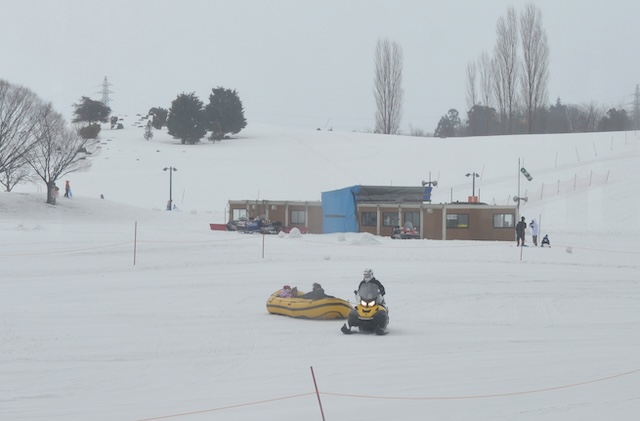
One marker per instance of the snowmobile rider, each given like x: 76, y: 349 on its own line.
x: 317, y: 293
x: 367, y: 276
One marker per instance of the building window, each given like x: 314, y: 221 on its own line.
x: 369, y: 219
x: 239, y: 213
x: 458, y: 220
x: 390, y: 219
x: 413, y: 217
x: 503, y: 220
x: 298, y: 217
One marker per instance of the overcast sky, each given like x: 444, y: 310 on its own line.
x: 299, y: 63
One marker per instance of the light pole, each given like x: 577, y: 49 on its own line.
x: 171, y: 170
x: 474, y: 175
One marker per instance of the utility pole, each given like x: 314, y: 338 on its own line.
x: 105, y: 92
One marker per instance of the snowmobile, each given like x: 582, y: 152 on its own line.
x: 405, y: 232
x: 263, y: 226
x: 370, y: 315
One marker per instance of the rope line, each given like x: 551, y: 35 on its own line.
x: 227, y: 407
x: 492, y: 395
x: 42, y: 253
x: 416, y: 398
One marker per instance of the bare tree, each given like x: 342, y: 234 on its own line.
x: 535, y: 74
x: 18, y: 116
x: 485, y: 72
x: 585, y: 117
x: 472, y: 98
x: 60, y: 150
x: 388, y: 90
x: 506, y: 68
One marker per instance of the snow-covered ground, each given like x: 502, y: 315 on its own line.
x: 115, y: 309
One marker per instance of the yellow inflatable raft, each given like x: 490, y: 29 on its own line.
x: 322, y: 309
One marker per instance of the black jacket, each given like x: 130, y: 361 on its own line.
x: 520, y: 227
x: 316, y: 294
x: 373, y: 281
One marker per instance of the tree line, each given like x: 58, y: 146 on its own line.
x: 189, y: 120
x: 506, y: 91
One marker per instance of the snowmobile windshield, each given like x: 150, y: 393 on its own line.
x: 369, y: 291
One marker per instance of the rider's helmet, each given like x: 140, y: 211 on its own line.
x: 367, y: 275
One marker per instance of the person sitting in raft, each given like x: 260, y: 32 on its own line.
x: 286, y: 292
x: 317, y: 293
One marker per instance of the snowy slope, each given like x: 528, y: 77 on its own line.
x: 115, y: 309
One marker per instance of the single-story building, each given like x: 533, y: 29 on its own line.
x: 378, y: 209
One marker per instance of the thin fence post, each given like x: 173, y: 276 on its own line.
x: 317, y: 393
x: 135, y: 241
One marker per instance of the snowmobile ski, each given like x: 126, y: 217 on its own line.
x: 345, y: 329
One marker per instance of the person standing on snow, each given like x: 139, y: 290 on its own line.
x: 520, y: 227
x: 535, y: 230
x: 67, y: 189
x: 367, y: 276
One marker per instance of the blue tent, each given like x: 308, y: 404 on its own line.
x: 339, y: 210
x: 340, y: 207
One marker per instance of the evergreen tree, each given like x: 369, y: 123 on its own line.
x: 558, y: 118
x: 448, y: 124
x: 483, y: 121
x: 224, y: 113
x: 159, y: 117
x: 90, y: 111
x: 615, y: 120
x: 186, y: 119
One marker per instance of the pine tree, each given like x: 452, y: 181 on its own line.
x: 224, y: 113
x: 90, y: 111
x: 186, y: 119
x: 159, y: 117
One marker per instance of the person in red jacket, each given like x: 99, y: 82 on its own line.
x: 67, y: 189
